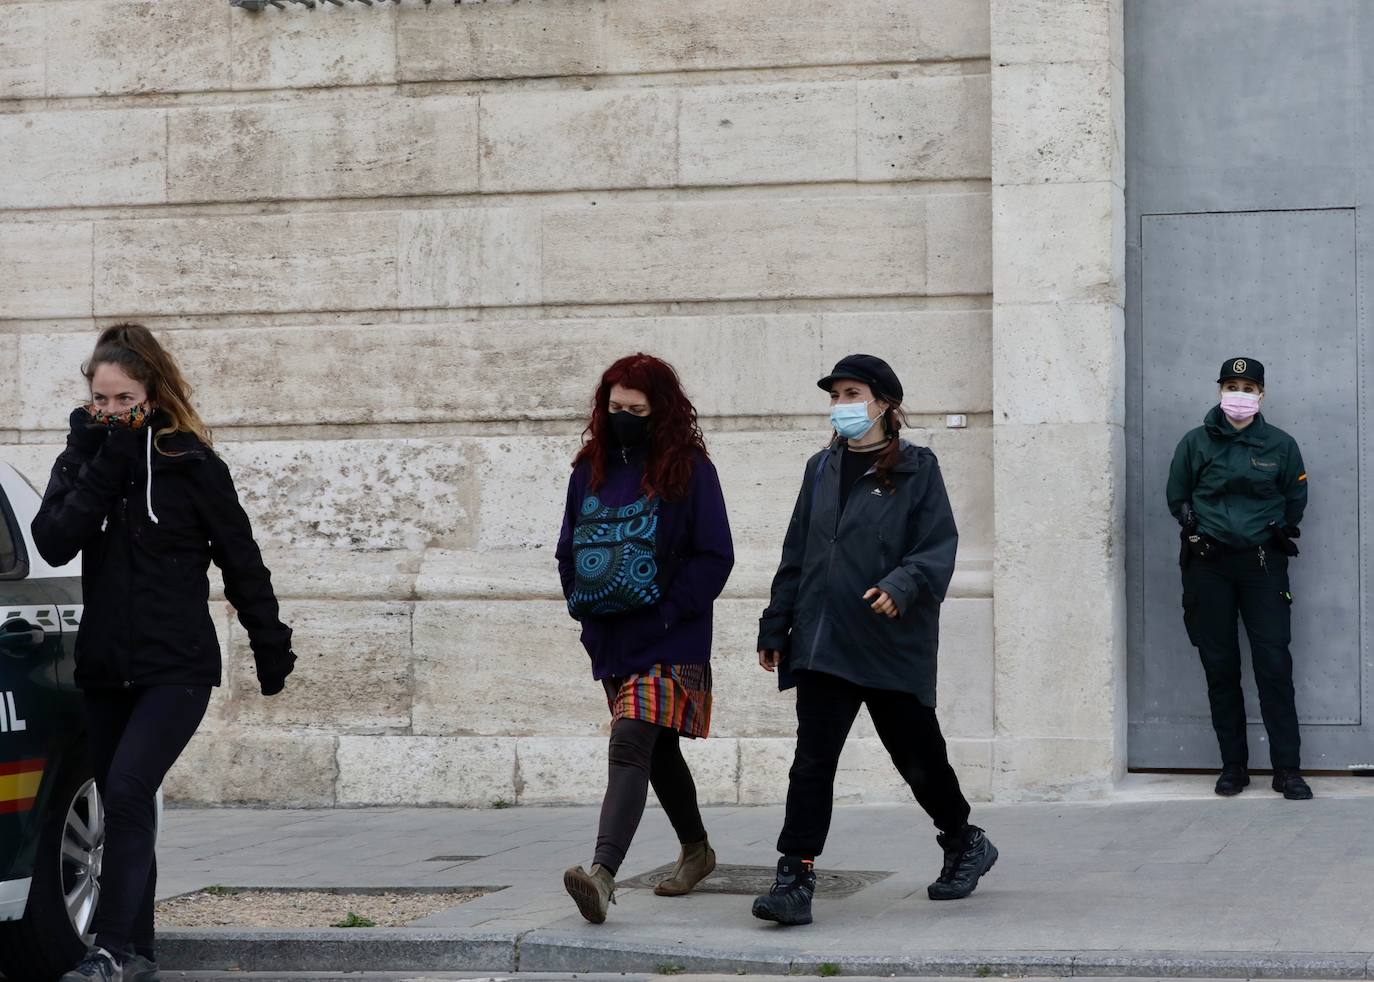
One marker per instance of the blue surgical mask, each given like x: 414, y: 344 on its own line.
x: 850, y: 419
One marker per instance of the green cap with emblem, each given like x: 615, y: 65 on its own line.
x: 1247, y: 368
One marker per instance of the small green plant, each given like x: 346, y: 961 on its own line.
x: 353, y: 920
x: 500, y: 803
x: 829, y: 970
x: 218, y: 891
x: 668, y: 968
x: 983, y: 971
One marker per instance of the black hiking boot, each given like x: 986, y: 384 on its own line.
x: 789, y: 901
x: 967, y: 858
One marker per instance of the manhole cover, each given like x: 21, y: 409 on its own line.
x: 750, y: 881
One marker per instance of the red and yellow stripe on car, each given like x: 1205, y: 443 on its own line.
x: 19, y: 783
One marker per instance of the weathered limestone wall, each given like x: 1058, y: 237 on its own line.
x: 394, y: 246
x: 1059, y: 363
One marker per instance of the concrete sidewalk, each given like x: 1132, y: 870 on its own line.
x: 1174, y: 882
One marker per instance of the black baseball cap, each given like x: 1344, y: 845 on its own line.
x: 1247, y: 368
x: 870, y: 369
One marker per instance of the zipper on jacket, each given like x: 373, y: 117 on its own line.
x: 129, y: 632
x: 829, y: 563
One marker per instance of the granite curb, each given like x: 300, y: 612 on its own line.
x: 415, y: 949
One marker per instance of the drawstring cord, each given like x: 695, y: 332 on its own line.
x: 150, y: 477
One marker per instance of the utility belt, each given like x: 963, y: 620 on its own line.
x: 1219, y: 548
x: 1199, y: 545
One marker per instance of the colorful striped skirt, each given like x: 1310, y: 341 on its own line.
x: 675, y: 696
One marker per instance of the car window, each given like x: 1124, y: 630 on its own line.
x: 9, y: 550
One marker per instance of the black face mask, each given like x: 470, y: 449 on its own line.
x: 630, y: 430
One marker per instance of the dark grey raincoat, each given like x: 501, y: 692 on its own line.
x: 900, y: 540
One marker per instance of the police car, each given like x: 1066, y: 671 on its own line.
x: 51, y: 823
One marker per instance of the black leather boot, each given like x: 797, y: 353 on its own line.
x: 789, y: 901
x: 967, y: 857
x: 1233, y: 779
x: 1288, y: 781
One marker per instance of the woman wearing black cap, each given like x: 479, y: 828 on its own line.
x: 1238, y: 488
x: 854, y: 620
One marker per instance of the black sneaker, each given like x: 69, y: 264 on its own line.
x: 1233, y: 779
x: 789, y: 901
x: 967, y: 858
x: 140, y: 968
x: 98, y: 966
x: 1288, y: 781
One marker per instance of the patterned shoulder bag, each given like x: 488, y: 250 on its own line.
x: 613, y: 556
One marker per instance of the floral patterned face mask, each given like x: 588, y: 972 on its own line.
x: 133, y: 418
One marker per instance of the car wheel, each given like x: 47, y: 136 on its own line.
x: 52, y: 935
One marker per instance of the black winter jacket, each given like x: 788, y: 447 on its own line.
x: 145, y: 582
x: 901, y: 540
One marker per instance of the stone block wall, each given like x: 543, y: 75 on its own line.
x: 393, y: 247
x: 1059, y: 364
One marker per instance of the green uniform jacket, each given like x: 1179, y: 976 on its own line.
x: 1238, y: 481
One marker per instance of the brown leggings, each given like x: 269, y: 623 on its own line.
x: 642, y: 754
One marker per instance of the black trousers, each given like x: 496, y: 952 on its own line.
x: 1214, y: 592
x: 826, y: 709
x: 642, y: 754
x: 135, y: 737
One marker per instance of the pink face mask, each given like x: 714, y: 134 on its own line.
x: 1240, y: 406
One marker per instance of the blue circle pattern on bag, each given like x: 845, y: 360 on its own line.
x: 613, y: 556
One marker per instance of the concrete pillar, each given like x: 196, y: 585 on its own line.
x: 1058, y: 406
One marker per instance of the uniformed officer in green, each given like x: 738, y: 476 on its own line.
x: 1238, y: 488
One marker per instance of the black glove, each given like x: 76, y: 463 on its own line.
x: 124, y: 442
x: 122, y: 452
x: 84, y: 436
x: 273, y: 670
x: 1283, y: 539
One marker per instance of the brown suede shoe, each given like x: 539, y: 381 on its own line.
x: 695, y: 862
x: 594, y: 892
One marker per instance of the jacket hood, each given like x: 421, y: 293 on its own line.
x: 176, y: 448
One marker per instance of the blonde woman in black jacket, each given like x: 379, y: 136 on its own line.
x: 142, y: 496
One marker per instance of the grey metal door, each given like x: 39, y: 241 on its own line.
x: 1245, y: 181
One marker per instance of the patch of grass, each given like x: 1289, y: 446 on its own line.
x: 218, y: 891
x: 983, y: 971
x: 829, y: 970
x: 353, y: 920
x: 668, y: 968
x: 500, y: 803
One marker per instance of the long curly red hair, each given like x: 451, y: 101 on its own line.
x: 675, y: 437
